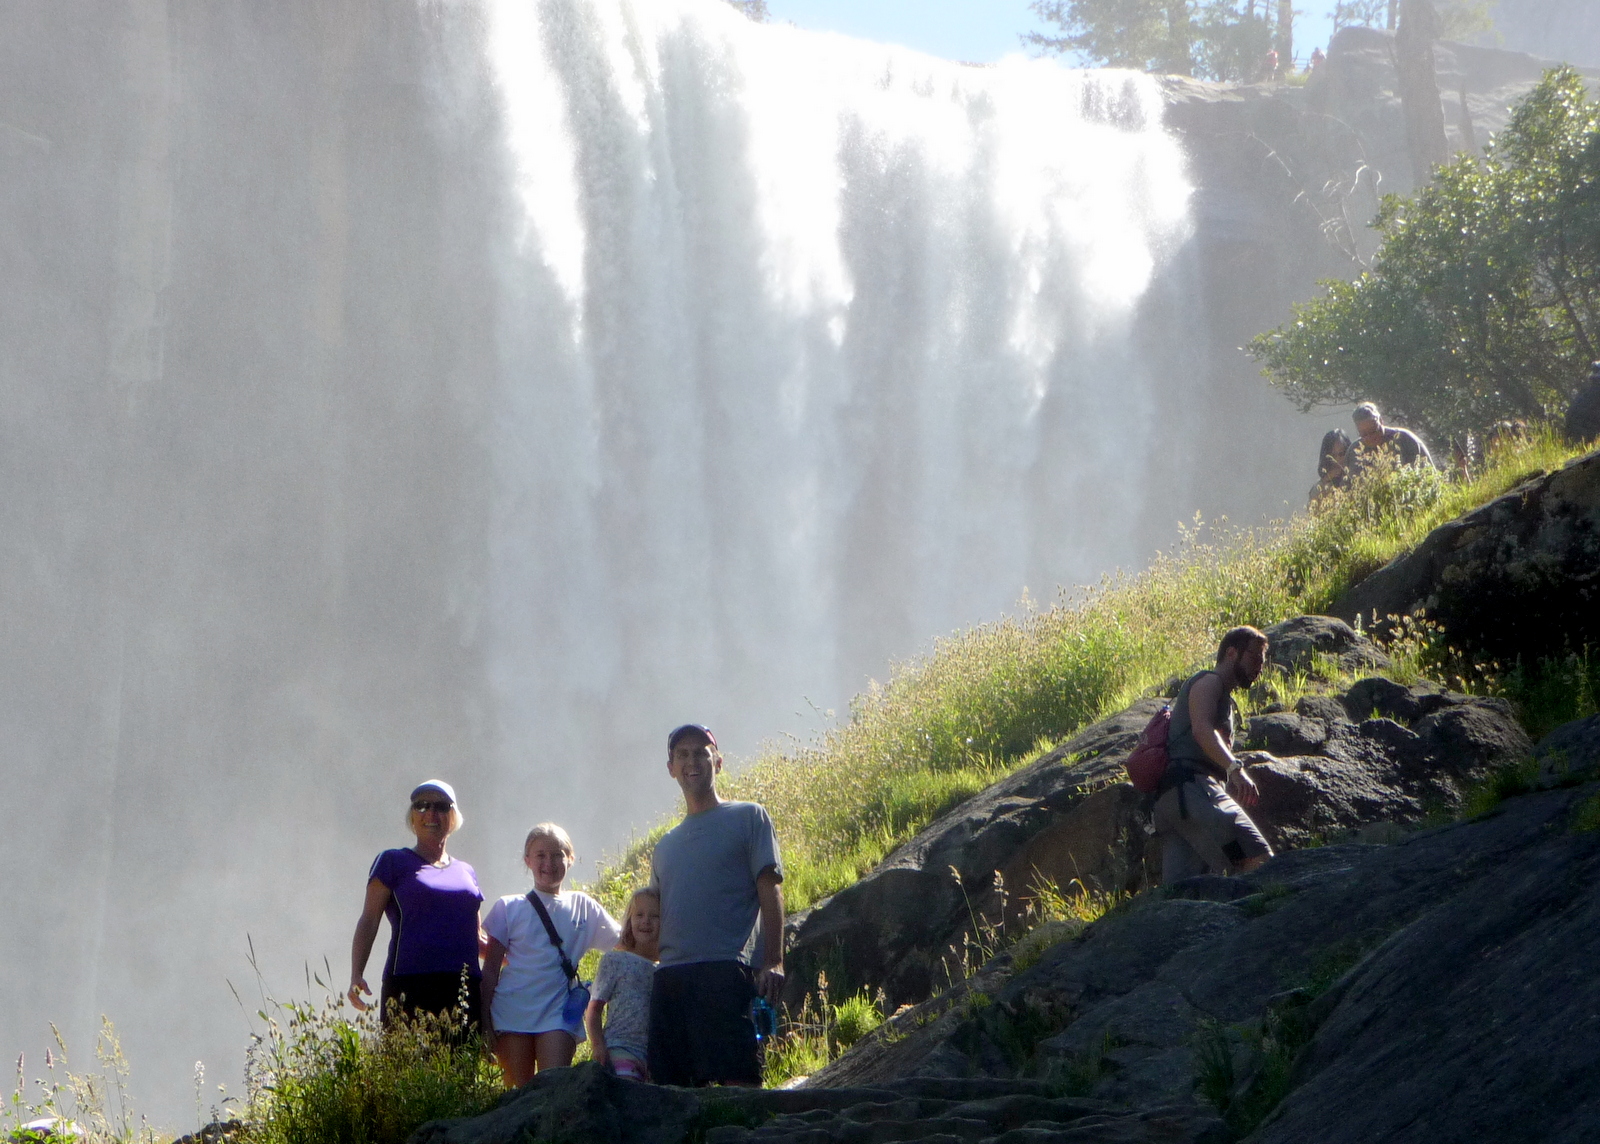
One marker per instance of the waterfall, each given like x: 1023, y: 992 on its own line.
x: 813, y: 349
x: 481, y: 387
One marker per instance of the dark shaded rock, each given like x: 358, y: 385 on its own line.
x: 1383, y: 698
x: 1571, y: 751
x: 1295, y: 645
x: 1286, y: 734
x: 585, y: 1104
x: 581, y: 1105
x: 1327, y: 709
x: 1519, y: 577
x: 1459, y: 959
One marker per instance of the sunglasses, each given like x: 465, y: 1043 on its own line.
x: 422, y: 806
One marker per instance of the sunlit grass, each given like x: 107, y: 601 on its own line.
x: 983, y: 701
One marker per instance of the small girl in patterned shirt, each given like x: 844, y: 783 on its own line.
x: 623, y: 983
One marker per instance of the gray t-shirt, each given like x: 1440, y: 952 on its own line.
x: 623, y: 983
x: 705, y: 869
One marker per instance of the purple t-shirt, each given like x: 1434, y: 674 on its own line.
x: 433, y: 914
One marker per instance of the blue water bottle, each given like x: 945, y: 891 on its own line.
x: 764, y: 1018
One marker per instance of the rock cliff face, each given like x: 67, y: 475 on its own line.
x: 1518, y: 577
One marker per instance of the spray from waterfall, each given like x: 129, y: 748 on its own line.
x: 480, y: 388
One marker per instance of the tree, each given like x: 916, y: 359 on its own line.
x: 1457, y: 19
x: 1212, y: 39
x: 1483, y: 302
x: 1147, y: 35
x: 754, y: 9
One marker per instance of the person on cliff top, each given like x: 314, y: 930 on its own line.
x: 718, y: 875
x: 1333, y: 467
x: 1376, y: 439
x: 437, y: 897
x: 622, y: 991
x: 533, y: 1003
x: 1202, y: 829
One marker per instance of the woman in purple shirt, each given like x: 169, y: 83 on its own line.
x: 431, y: 901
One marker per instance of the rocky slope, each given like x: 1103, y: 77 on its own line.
x: 1374, y: 758
x: 1383, y: 977
x: 1438, y: 988
x: 1433, y: 989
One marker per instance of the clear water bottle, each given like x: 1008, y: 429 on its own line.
x: 765, y: 1018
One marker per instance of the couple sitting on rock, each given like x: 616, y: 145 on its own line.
x: 714, y: 877
x: 1202, y: 829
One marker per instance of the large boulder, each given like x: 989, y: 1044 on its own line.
x: 1381, y: 755
x: 1519, y: 577
x: 1459, y: 959
x: 1306, y: 645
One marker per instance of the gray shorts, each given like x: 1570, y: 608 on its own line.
x: 1215, y: 836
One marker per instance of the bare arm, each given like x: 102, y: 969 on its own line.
x: 769, y: 975
x: 1204, y: 699
x: 366, y: 932
x: 592, y: 1017
x: 493, y: 959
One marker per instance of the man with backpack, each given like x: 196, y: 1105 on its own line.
x: 1202, y: 829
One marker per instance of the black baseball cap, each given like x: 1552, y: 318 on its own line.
x: 688, y: 729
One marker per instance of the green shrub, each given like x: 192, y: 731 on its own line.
x: 1587, y: 815
x: 329, y: 1075
x: 853, y: 1018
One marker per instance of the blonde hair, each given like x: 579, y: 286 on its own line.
x: 626, y: 940
x: 555, y: 834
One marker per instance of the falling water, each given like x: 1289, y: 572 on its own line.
x: 812, y: 349
x: 479, y: 389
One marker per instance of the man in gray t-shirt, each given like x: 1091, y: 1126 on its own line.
x: 718, y: 874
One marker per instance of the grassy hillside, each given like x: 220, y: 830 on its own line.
x: 985, y: 701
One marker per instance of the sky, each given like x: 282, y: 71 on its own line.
x: 976, y: 31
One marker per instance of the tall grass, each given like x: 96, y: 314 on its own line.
x: 984, y: 701
x: 91, y: 1107
x: 326, y: 1074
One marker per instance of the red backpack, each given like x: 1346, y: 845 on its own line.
x: 1149, y: 759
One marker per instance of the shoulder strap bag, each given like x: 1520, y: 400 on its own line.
x: 577, y: 991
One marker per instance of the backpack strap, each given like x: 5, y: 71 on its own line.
x: 555, y: 939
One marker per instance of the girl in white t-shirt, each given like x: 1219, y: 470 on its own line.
x: 622, y: 990
x: 524, y: 985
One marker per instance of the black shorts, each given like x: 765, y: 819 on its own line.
x: 700, y: 1027
x: 431, y: 993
